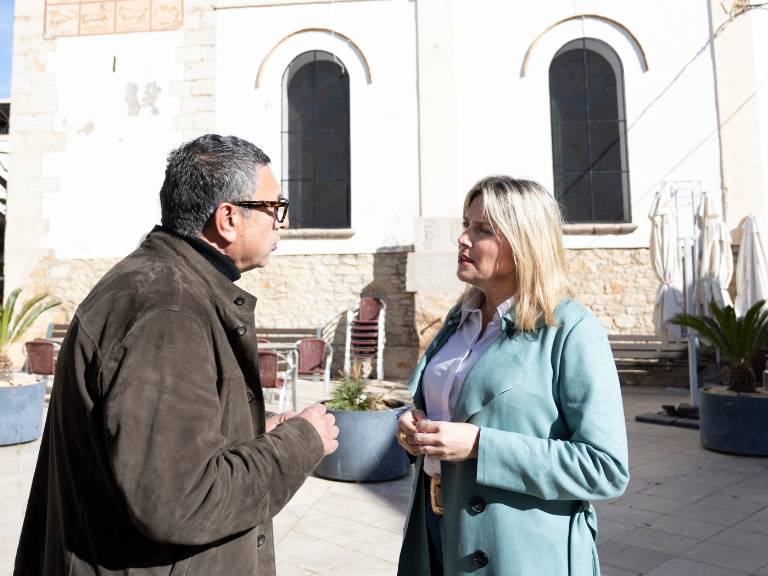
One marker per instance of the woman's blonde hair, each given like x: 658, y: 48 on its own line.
x: 527, y: 218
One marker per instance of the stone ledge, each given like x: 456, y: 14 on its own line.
x: 318, y: 233
x: 597, y: 229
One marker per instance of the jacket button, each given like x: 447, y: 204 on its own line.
x: 239, y: 300
x: 241, y: 330
x: 477, y: 505
x: 479, y: 558
x: 251, y: 396
x: 260, y: 540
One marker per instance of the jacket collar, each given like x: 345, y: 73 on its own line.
x: 218, y: 286
x: 456, y: 316
x: 221, y: 262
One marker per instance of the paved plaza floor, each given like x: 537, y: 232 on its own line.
x: 687, y: 511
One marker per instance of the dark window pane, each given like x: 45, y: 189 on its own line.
x: 301, y: 212
x: 605, y: 144
x: 301, y: 102
x: 566, y: 83
x: 332, y: 154
x: 574, y: 147
x: 301, y: 154
x: 601, y: 88
x: 575, y: 197
x: 588, y: 133
x: 316, y: 142
x: 332, y: 96
x: 607, y: 196
x: 331, y: 202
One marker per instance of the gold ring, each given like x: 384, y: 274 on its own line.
x: 403, y: 437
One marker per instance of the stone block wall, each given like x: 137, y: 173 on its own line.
x: 293, y: 291
x: 196, y: 93
x: 317, y: 290
x: 618, y: 285
x: 32, y: 135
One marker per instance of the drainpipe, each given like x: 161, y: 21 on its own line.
x: 723, y: 188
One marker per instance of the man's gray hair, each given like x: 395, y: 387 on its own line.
x: 203, y: 173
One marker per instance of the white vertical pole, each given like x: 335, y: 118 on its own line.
x: 688, y: 246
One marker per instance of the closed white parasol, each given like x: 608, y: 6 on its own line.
x: 665, y: 262
x: 716, y: 264
x: 751, y: 267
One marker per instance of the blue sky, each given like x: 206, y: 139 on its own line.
x: 6, y: 42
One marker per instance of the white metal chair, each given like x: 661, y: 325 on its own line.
x: 277, y: 371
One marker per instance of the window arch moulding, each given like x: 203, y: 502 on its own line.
x: 543, y: 48
x: 326, y: 34
x: 269, y: 94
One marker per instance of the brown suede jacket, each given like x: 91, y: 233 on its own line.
x: 154, y: 458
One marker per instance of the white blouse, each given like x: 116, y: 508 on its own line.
x: 446, y: 371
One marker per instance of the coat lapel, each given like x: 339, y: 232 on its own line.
x: 484, y: 381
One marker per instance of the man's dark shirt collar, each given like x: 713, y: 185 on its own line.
x: 221, y: 262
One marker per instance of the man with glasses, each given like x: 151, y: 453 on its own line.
x: 158, y: 456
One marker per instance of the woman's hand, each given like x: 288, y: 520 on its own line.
x: 406, y: 428
x: 446, y: 440
x: 274, y: 421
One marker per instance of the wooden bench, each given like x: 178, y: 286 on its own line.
x: 646, y: 350
x: 287, y: 335
x: 56, y: 332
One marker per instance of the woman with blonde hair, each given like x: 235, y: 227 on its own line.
x: 517, y: 422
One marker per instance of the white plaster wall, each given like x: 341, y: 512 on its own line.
x: 112, y: 170
x: 504, y: 119
x: 760, y: 39
x: 383, y: 121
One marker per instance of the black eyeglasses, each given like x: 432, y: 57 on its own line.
x: 280, y: 206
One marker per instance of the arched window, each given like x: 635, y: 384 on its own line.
x: 589, y: 132
x: 316, y: 141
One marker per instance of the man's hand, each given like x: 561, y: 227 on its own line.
x: 274, y: 421
x: 406, y: 428
x: 447, y: 440
x: 325, y: 424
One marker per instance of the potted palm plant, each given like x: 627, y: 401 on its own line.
x: 368, y: 450
x: 21, y: 398
x: 731, y: 419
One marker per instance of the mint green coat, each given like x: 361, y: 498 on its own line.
x: 552, y: 438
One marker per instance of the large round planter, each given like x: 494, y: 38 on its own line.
x: 21, y: 413
x: 733, y: 422
x: 368, y: 450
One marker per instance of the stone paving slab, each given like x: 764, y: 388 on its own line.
x: 686, y: 512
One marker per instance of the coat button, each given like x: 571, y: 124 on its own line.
x: 241, y: 330
x: 477, y: 505
x: 479, y: 558
x: 260, y: 540
x: 251, y: 396
x: 239, y: 300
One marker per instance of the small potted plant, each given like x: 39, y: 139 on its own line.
x: 731, y: 419
x: 368, y: 450
x: 21, y: 397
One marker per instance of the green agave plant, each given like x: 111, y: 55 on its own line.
x: 15, y: 322
x: 738, y: 338
x: 351, y: 394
